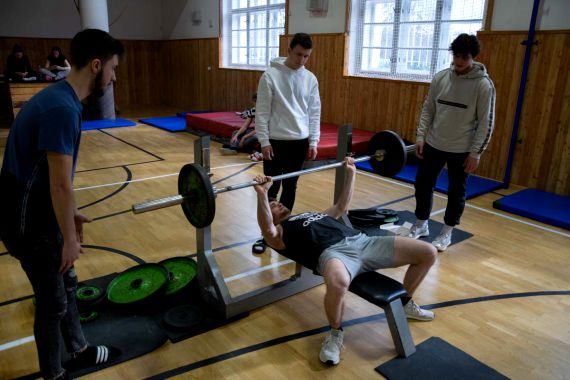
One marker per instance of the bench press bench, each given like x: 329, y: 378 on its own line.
x: 386, y: 293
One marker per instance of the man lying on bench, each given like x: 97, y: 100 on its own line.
x: 325, y: 245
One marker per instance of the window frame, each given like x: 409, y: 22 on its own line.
x: 226, y: 25
x: 353, y: 61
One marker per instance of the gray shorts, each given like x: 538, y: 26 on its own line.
x: 360, y: 253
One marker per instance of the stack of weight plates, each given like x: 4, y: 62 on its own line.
x: 147, y: 287
x: 374, y: 216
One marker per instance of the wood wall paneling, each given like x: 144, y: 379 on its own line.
x: 186, y: 74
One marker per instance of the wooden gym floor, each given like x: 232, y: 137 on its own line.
x: 525, y: 334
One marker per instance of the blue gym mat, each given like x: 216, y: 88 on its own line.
x: 88, y: 125
x: 168, y: 123
x: 183, y: 114
x: 475, y: 185
x: 539, y: 205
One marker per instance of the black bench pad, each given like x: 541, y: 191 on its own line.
x: 377, y: 288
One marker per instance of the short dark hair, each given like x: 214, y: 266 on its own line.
x: 17, y: 49
x: 302, y: 39
x: 56, y: 48
x: 465, y: 44
x: 90, y: 44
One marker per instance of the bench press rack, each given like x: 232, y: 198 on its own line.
x: 372, y: 286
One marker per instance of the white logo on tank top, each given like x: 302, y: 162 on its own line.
x: 309, y: 216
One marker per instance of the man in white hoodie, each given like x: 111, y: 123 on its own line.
x: 455, y: 127
x: 288, y: 114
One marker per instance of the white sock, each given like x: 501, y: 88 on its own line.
x: 446, y: 229
x: 421, y: 223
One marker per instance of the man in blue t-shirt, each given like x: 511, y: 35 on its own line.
x: 319, y: 241
x: 39, y: 223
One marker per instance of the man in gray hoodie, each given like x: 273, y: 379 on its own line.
x: 455, y: 127
x: 288, y: 114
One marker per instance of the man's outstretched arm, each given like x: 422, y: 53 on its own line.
x: 341, y: 206
x: 271, y: 233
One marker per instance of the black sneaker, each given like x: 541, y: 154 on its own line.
x: 259, y: 247
x: 92, y: 356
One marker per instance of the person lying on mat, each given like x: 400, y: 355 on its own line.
x: 320, y: 242
x: 40, y: 224
x: 244, y: 139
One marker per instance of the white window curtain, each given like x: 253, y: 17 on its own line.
x: 407, y: 39
x: 250, y: 32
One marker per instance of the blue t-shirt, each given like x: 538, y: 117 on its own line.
x: 49, y: 122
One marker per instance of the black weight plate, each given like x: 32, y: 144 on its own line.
x: 138, y: 284
x: 200, y: 201
x: 364, y: 212
x: 394, y: 150
x: 365, y: 221
x: 182, y: 317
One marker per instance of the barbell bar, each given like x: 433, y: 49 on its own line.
x: 387, y: 156
x: 174, y: 200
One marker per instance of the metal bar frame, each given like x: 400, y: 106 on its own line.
x: 213, y: 289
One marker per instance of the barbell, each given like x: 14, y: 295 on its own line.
x: 387, y: 155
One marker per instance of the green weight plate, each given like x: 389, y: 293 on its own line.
x: 88, y: 293
x: 391, y: 219
x: 137, y: 284
x: 88, y: 317
x: 394, y: 153
x: 200, y: 201
x: 386, y: 212
x: 181, y: 271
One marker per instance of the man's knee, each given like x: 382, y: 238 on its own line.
x: 337, y: 278
x: 428, y: 254
x: 411, y: 251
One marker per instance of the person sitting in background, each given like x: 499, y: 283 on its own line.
x: 18, y: 68
x: 244, y: 139
x: 57, y: 67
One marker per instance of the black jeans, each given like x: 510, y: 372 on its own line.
x: 288, y: 156
x: 56, y: 318
x: 429, y: 169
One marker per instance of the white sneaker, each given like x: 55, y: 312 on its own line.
x: 413, y: 311
x: 442, y: 241
x: 332, y: 346
x: 419, y: 230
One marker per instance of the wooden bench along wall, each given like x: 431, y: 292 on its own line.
x: 20, y: 93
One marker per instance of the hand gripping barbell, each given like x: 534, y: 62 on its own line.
x: 387, y: 156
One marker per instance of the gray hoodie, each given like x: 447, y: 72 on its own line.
x: 458, y: 114
x: 288, y: 104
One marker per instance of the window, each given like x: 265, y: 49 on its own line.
x: 408, y: 39
x: 250, y: 32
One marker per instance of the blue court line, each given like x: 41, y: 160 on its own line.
x: 357, y: 321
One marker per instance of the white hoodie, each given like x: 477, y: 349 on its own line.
x: 288, y: 105
x: 458, y: 114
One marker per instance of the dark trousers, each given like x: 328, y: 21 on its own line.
x: 56, y: 318
x: 288, y: 156
x: 429, y: 169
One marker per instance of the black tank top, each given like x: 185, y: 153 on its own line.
x: 307, y: 235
